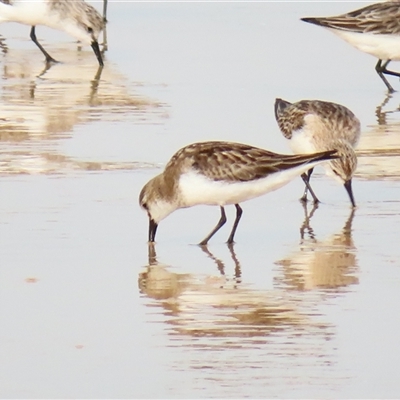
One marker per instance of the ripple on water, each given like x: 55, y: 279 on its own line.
x: 39, y: 107
x: 229, y: 330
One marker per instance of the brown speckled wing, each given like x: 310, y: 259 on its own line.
x: 380, y: 18
x: 224, y: 161
x: 337, y: 118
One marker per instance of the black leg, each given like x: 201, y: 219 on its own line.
x: 49, y: 59
x: 306, y: 178
x: 381, y: 69
x: 239, y: 213
x: 105, y: 9
x: 387, y: 71
x: 221, y: 222
x: 105, y: 44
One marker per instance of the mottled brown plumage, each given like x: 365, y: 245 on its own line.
x: 380, y: 19
x: 232, y: 162
x: 75, y: 17
x: 316, y: 125
x: 374, y: 29
x: 337, y: 121
x: 220, y: 173
x: 83, y: 13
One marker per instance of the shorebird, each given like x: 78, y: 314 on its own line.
x: 312, y: 126
x: 374, y: 29
x: 220, y: 173
x: 74, y: 17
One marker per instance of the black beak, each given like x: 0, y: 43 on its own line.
x: 349, y: 190
x: 96, y: 49
x: 152, y: 230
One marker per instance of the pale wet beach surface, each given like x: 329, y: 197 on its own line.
x: 304, y: 305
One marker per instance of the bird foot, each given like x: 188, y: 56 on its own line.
x: 303, y: 199
x: 51, y: 60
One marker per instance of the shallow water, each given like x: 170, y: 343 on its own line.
x: 303, y: 305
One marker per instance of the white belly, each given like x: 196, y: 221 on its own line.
x: 385, y: 47
x: 196, y: 189
x: 27, y: 12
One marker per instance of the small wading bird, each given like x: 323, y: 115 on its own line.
x: 74, y: 17
x: 220, y: 173
x: 374, y: 29
x: 314, y: 125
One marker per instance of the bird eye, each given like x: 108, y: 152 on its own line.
x: 144, y: 205
x: 89, y: 29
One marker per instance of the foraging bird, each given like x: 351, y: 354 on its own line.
x: 374, y: 29
x: 312, y: 126
x: 74, y: 17
x: 220, y: 173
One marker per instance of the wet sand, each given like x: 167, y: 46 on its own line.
x: 303, y: 305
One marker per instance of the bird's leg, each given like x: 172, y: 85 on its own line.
x: 387, y: 71
x: 381, y: 69
x: 306, y: 178
x: 49, y: 58
x: 105, y: 9
x: 239, y: 213
x: 221, y: 222
x: 105, y: 44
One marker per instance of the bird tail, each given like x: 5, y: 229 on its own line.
x: 313, y: 20
x: 322, y: 156
x: 339, y: 23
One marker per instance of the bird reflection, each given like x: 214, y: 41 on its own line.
x: 381, y: 115
x: 210, y: 306
x: 94, y: 86
x: 379, y: 146
x: 3, y: 45
x: 159, y: 283
x: 329, y: 264
x: 305, y: 227
x: 40, y: 106
x: 46, y: 68
x: 49, y: 65
x: 220, y: 264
